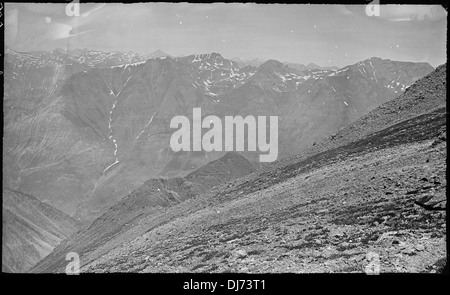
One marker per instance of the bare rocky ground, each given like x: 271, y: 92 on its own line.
x: 312, y: 217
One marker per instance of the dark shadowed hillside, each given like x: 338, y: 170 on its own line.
x: 31, y: 230
x: 230, y: 166
x: 154, y: 197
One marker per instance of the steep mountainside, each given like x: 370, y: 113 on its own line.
x: 331, y: 211
x: 82, y: 134
x: 152, y: 198
x: 31, y: 230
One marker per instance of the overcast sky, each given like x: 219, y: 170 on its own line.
x: 324, y: 34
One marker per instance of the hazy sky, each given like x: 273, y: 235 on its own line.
x: 324, y: 34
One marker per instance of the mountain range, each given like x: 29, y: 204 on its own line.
x: 347, y: 195
x: 82, y: 130
x: 256, y: 62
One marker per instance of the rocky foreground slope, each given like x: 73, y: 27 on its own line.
x: 337, y: 210
x: 31, y: 230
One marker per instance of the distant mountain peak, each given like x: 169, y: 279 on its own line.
x: 159, y: 51
x: 272, y: 64
x: 256, y: 62
x: 216, y: 55
x: 157, y: 54
x: 313, y: 66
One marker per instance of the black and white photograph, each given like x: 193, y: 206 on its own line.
x: 224, y: 138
